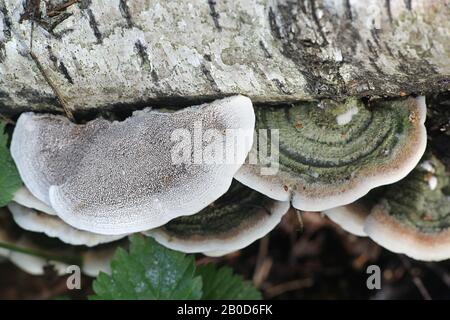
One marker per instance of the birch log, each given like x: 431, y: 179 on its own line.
x: 101, y: 54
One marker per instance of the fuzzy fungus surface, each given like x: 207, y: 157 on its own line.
x: 413, y: 217
x: 332, y: 154
x: 120, y: 177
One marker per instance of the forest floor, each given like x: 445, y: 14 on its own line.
x: 307, y: 258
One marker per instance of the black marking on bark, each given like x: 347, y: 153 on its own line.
x: 207, y: 57
x: 4, y: 94
x: 94, y: 26
x: 6, y: 31
x: 322, y: 75
x: 273, y: 24
x: 264, y: 49
x: 376, y: 38
x: 375, y: 66
x: 125, y: 12
x: 302, y: 6
x: 141, y: 52
x: 387, y: 4
x: 145, y: 61
x: 371, y: 48
x: 214, y: 14
x: 7, y: 23
x: 389, y: 50
x: 280, y: 85
x: 37, y: 97
x: 60, y: 34
x: 408, y: 4
x: 209, y: 77
x: 415, y: 67
x: 348, y: 10
x: 59, y: 67
x: 54, y: 22
x: 62, y: 68
x: 317, y: 22
x: 52, y: 57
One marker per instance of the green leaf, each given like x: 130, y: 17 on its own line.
x: 149, y: 271
x: 222, y: 284
x: 9, y: 177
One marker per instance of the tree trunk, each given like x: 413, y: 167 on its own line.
x: 121, y: 53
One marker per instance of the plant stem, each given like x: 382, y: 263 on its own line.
x: 49, y: 257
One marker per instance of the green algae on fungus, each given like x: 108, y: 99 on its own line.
x: 332, y: 154
x: 235, y: 220
x: 413, y: 216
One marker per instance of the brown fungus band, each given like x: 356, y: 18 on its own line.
x: 413, y: 216
x: 331, y: 154
x: 235, y: 220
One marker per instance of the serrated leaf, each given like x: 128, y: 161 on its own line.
x: 149, y: 271
x: 9, y: 177
x: 222, y: 284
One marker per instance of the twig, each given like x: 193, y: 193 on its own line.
x: 281, y: 288
x: 298, y: 213
x: 263, y: 263
x: 47, y: 78
x: 55, y: 89
x: 416, y: 280
x: 441, y: 272
x: 39, y: 254
x: 58, y: 9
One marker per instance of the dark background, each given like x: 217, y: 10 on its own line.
x: 308, y: 259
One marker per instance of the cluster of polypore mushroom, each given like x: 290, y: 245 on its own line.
x: 97, y: 182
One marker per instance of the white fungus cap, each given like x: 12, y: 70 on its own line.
x: 26, y: 199
x: 54, y: 227
x: 32, y: 264
x: 351, y: 218
x: 115, y: 178
x: 97, y: 260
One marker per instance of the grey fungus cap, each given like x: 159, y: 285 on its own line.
x: 115, y: 178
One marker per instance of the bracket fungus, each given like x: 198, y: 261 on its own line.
x: 333, y: 154
x: 234, y: 221
x: 54, y: 227
x: 24, y: 197
x: 115, y: 178
x: 410, y: 217
x: 413, y: 216
x: 351, y: 217
x: 34, y: 253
